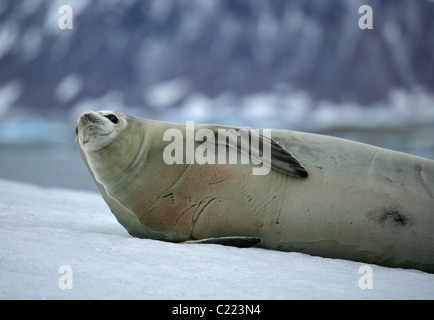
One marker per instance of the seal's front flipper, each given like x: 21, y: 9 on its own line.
x: 252, y: 143
x: 237, y: 241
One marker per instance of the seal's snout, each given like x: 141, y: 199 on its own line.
x: 94, y: 131
x: 90, y: 117
x: 87, y: 119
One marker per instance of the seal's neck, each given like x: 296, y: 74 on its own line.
x: 111, y: 163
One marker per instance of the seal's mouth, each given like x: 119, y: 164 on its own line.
x: 92, y: 131
x: 91, y: 126
x: 87, y: 119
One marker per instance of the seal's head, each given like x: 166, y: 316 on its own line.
x: 108, y: 142
x: 97, y: 129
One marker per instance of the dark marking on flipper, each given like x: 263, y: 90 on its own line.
x: 236, y: 241
x: 281, y: 159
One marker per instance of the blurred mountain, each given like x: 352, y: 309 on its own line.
x: 158, y: 53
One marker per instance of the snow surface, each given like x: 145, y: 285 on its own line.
x: 43, y: 229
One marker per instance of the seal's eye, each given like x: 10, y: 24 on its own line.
x: 112, y: 118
